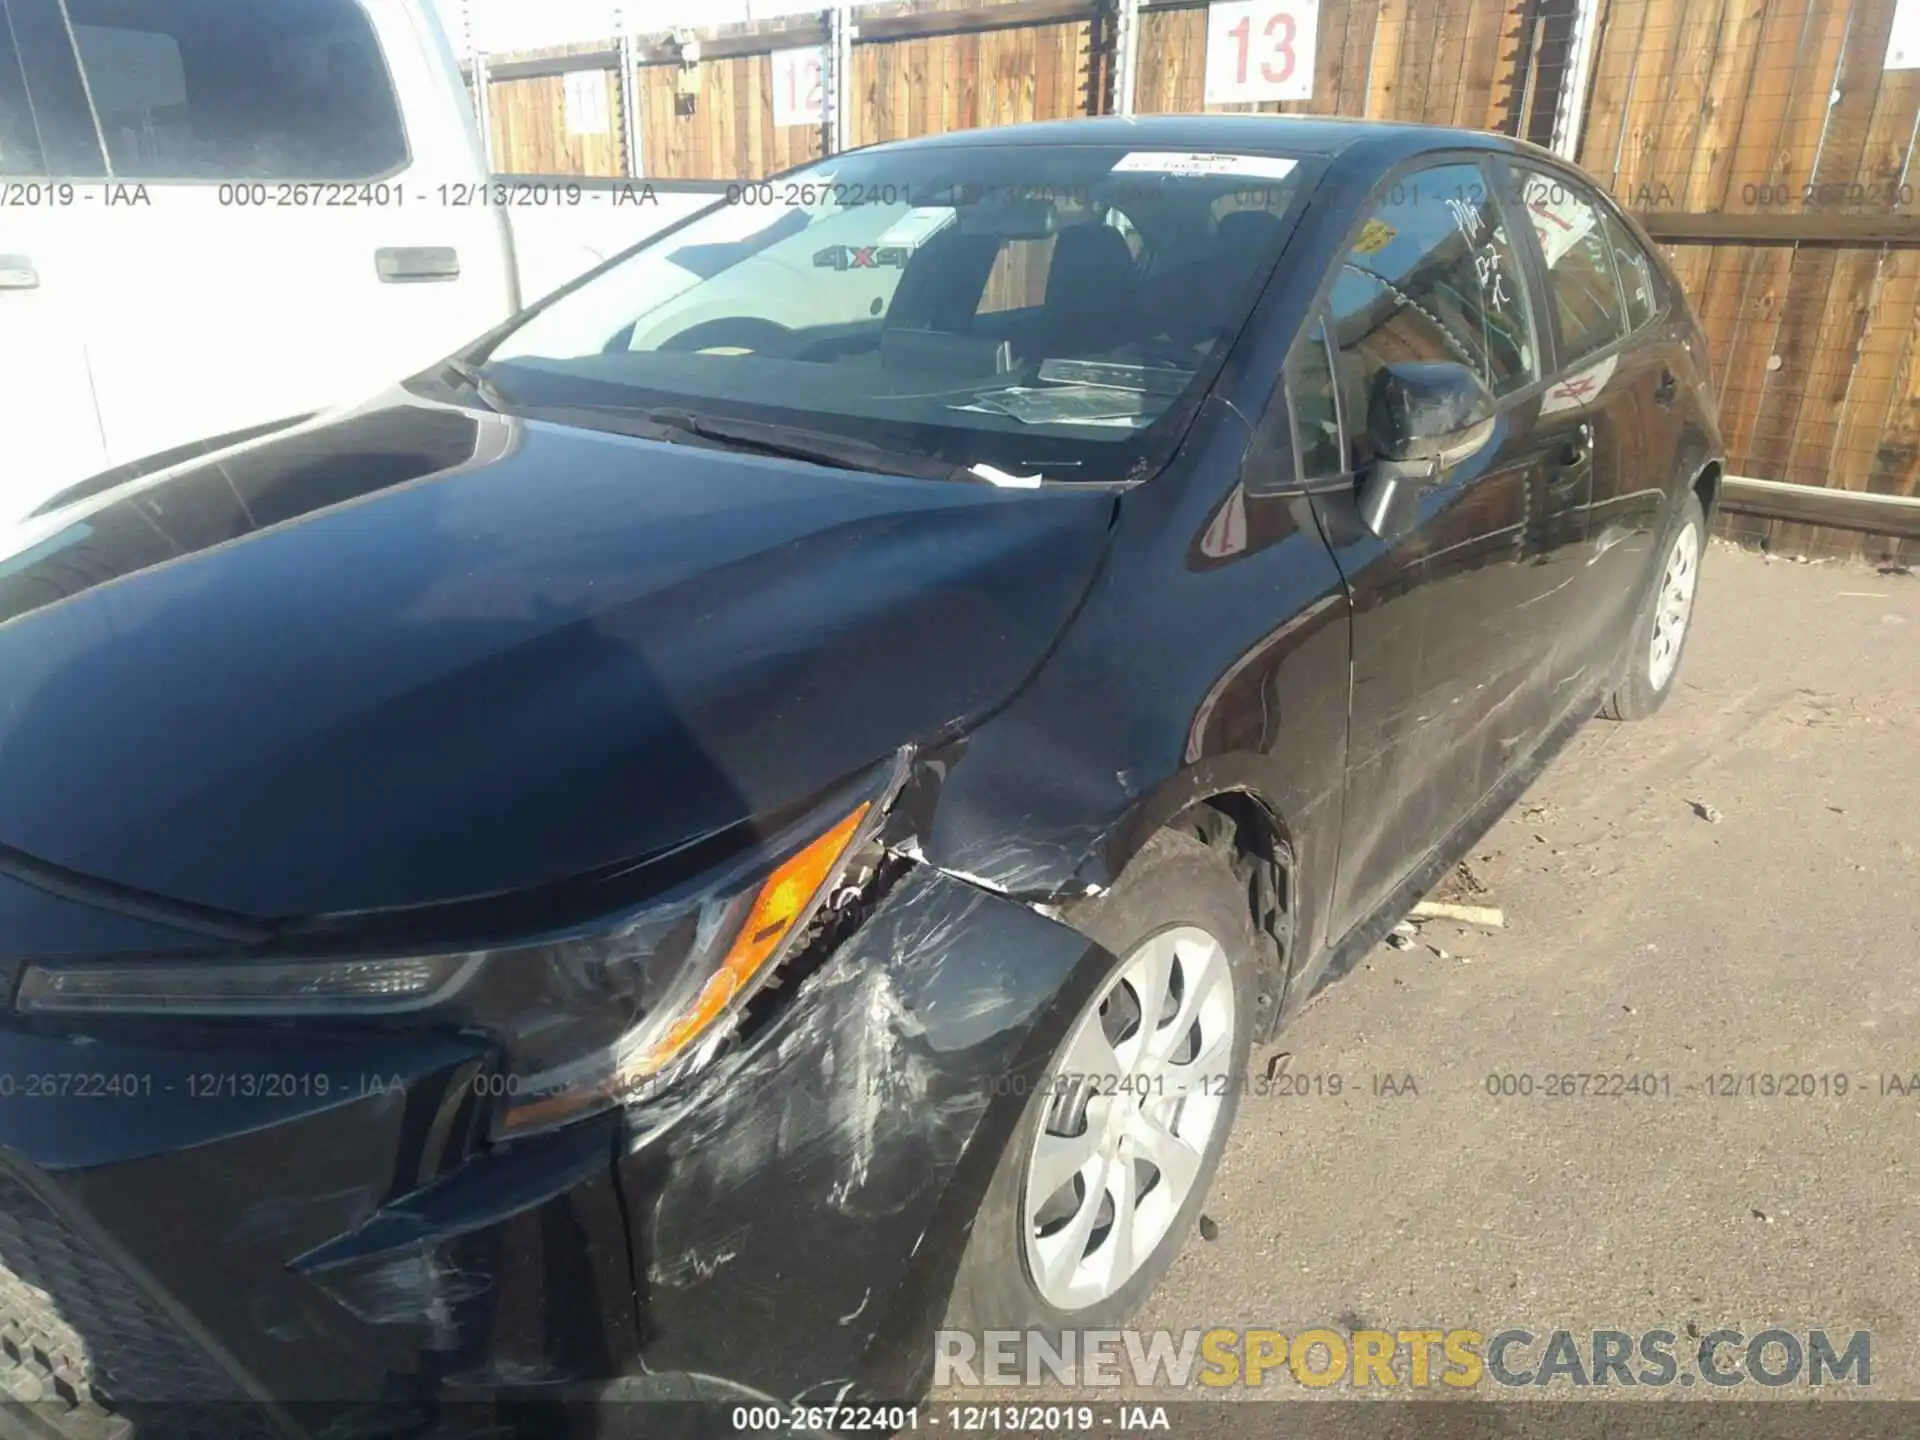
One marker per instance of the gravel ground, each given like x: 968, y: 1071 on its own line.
x: 1731, y: 889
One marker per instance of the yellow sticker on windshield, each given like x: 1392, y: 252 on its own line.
x: 1374, y: 237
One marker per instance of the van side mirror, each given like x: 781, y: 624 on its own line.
x: 1423, y: 418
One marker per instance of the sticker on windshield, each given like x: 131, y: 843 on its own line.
x: 1170, y: 162
x: 918, y: 225
x: 1375, y: 236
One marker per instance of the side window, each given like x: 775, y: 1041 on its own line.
x: 1586, y: 293
x: 1636, y: 272
x: 1432, y: 275
x: 1310, y: 398
x: 19, y: 143
x: 237, y: 90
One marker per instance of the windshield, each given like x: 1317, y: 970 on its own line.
x: 1039, y: 310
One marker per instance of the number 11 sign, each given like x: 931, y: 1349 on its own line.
x: 1260, y: 50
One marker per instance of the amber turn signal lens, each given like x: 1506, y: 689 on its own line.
x: 783, y: 898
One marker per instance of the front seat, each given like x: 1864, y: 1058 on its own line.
x: 1092, y: 292
x: 940, y: 287
x: 1244, y: 241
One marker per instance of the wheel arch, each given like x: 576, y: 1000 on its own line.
x: 1225, y: 806
x: 1706, y: 485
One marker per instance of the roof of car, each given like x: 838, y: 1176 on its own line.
x: 1387, y: 141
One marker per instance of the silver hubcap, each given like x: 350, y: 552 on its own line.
x: 1674, y: 606
x: 1136, y: 1097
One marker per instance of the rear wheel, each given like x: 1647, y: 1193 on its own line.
x: 1105, y: 1175
x: 1664, y: 621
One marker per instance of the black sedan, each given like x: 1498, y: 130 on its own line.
x: 756, y: 812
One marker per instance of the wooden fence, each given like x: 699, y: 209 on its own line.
x: 1770, y: 133
x: 927, y: 68
x: 1762, y: 140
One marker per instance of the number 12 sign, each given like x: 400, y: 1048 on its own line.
x: 798, y: 96
x: 1260, y: 50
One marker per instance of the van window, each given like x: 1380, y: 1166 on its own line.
x: 238, y: 90
x: 19, y: 145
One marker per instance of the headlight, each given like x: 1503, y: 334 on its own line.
x: 599, y: 1015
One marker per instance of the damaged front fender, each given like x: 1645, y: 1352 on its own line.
x: 874, y: 1110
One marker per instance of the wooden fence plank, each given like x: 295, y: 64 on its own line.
x: 1444, y: 60
x: 1864, y: 378
x: 1650, y: 107
x: 1616, y: 54
x: 1710, y: 49
x: 1751, y: 332
x: 1728, y: 270
x: 1389, y: 43
x: 1471, y: 66
x: 1820, y: 317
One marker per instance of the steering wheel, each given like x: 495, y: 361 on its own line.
x: 734, y: 332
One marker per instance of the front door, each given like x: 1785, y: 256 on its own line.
x: 1451, y: 623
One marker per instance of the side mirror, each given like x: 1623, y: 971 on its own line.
x: 1423, y: 418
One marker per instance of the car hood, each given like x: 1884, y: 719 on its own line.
x: 410, y: 653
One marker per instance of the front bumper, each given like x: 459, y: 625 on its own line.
x: 299, y: 1218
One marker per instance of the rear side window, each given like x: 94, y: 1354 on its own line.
x: 1636, y: 273
x: 238, y: 90
x: 1432, y: 275
x: 1586, y: 294
x: 19, y: 144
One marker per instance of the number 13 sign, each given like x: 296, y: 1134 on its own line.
x: 1260, y: 50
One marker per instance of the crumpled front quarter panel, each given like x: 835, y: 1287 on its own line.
x: 873, y: 1115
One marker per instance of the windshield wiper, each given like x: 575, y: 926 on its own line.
x: 753, y: 437
x: 794, y: 443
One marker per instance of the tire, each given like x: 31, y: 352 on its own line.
x: 1646, y: 677
x: 1176, y: 889
x: 46, y: 1388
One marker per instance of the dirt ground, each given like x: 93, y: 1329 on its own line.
x: 1729, y: 889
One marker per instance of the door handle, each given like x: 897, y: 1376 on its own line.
x: 409, y: 264
x: 1668, y: 389
x: 1573, y: 457
x: 17, y: 273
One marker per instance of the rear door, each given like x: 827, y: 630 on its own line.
x: 272, y: 235
x: 1630, y: 496
x: 1449, y: 645
x: 49, y: 430
x: 1615, y: 376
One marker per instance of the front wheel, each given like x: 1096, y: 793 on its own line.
x: 1664, y: 620
x: 1106, y: 1172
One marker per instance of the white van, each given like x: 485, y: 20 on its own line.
x: 216, y: 214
